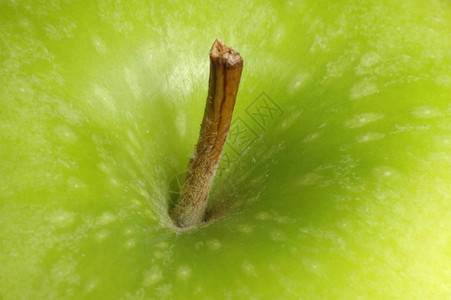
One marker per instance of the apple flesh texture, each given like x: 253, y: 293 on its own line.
x: 344, y: 196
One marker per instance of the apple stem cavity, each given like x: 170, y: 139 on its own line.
x: 226, y: 66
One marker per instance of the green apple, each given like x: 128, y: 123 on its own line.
x: 334, y: 182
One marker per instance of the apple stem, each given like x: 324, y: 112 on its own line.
x: 226, y: 66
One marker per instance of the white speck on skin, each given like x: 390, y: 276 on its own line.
x: 244, y: 228
x: 114, y: 182
x: 309, y: 179
x: 426, y: 112
x: 66, y: 134
x: 361, y: 120
x: 443, y: 80
x: 162, y: 245
x: 253, y: 199
x: 213, y: 244
x: 130, y: 243
x: 152, y: 276
x: 164, y: 291
x: 336, y: 69
x: 99, y: 45
x: 136, y: 203
x: 362, y: 89
x: 101, y: 235
x: 106, y: 218
x: 74, y: 183
x: 369, y: 59
x: 132, y: 80
x: 198, y: 245
x: 103, y: 94
x: 277, y: 235
x: 369, y: 137
x: 91, y: 284
x: 299, y: 81
x: 263, y: 216
x: 184, y: 272
x: 248, y: 269
x: 311, y: 137
x: 159, y: 254
x: 319, y: 43
x: 61, y: 218
x: 383, y: 172
x: 102, y: 166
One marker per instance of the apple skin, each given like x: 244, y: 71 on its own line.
x: 343, y: 194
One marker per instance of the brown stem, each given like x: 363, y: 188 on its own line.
x: 225, y: 72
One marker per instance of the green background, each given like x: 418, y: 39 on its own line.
x: 344, y: 195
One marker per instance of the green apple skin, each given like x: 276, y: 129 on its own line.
x: 346, y: 195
